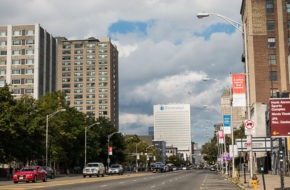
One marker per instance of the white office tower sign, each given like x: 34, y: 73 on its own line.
x: 172, y: 125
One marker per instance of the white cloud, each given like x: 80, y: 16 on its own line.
x: 166, y: 65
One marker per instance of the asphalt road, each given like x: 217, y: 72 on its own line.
x: 179, y: 180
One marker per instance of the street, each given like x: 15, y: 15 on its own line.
x: 181, y: 180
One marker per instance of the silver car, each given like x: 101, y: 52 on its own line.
x: 94, y: 169
x: 116, y: 169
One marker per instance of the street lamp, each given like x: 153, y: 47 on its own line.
x: 109, y: 137
x: 147, y: 156
x: 238, y: 25
x: 86, y: 130
x: 46, y: 136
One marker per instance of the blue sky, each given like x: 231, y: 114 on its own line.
x: 164, y: 51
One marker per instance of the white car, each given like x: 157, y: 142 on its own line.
x: 94, y: 169
x: 116, y: 169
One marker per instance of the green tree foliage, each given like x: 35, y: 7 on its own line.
x: 23, y: 132
x: 174, y: 159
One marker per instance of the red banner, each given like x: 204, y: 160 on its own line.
x: 239, y: 90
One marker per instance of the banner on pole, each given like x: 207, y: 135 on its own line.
x: 227, y: 124
x: 239, y: 90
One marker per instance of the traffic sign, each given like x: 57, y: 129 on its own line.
x: 249, y: 124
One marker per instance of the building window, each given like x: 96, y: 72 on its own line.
x: 16, y: 52
x: 29, y: 71
x: 66, y: 80
x: 17, y: 33
x: 80, y: 68
x: 3, y: 43
x: 271, y: 42
x: 269, y: 6
x: 78, y: 63
x: 90, y: 107
x: 78, y: 51
x: 103, y: 84
x: 16, y: 91
x: 91, y: 62
x: 66, y: 74
x: 78, y: 91
x: 29, y: 81
x: 91, y: 57
x: 3, y: 62
x: 79, y: 45
x: 270, y: 25
x: 91, y: 45
x: 102, y: 45
x: 78, y: 96
x: 78, y: 74
x: 66, y: 46
x: 91, y: 90
x: 2, y: 72
x: 91, y: 73
x: 272, y: 59
x: 3, y: 33
x: 273, y: 76
x: 65, y: 85
x: 66, y: 52
x: 29, y: 42
x: 29, y: 52
x: 66, y: 63
x: 78, y: 79
x: 102, y: 61
x: 103, y: 90
x: 90, y: 79
x: 16, y: 62
x: 91, y: 51
x: 78, y: 57
x: 78, y: 102
x: 90, y: 84
x: 29, y: 32
x: 90, y: 102
x: 103, y: 67
x: 78, y: 85
x: 79, y: 108
x: 2, y: 83
x: 29, y: 61
x: 90, y: 96
x: 103, y: 101
x: 90, y: 68
x: 16, y: 81
x: 288, y: 7
x: 29, y: 91
x: 66, y: 69
x: 3, y: 52
x: 66, y: 58
x: 16, y: 72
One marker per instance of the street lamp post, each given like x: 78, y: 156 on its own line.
x: 109, y: 137
x: 238, y: 25
x: 46, y: 134
x: 86, y: 131
x: 147, y: 156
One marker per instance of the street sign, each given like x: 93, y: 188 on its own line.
x: 249, y: 124
x: 259, y: 144
x: 280, y: 117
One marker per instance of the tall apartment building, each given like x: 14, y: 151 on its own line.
x: 172, y: 125
x: 27, y: 60
x: 88, y: 75
x: 267, y: 34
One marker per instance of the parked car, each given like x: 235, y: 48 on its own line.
x: 94, y: 169
x: 116, y: 169
x: 158, y: 167
x: 30, y: 173
x: 49, y: 172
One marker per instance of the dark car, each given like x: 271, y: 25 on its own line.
x: 49, y: 171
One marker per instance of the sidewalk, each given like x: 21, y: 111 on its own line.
x: 272, y: 182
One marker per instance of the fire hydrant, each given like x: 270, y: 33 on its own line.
x: 255, y: 181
